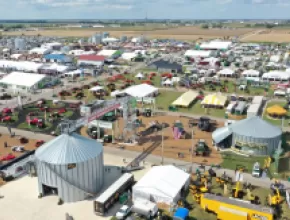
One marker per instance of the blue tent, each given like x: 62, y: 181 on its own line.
x: 181, y: 214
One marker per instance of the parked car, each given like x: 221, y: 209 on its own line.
x: 39, y: 143
x: 123, y: 212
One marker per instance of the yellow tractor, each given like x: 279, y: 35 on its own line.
x: 237, y: 191
x: 275, y: 199
x: 253, y: 199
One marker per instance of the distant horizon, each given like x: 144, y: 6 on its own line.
x: 148, y: 19
x: 153, y: 9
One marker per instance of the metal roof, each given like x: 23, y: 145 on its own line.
x: 69, y: 148
x: 255, y: 127
x: 220, y: 134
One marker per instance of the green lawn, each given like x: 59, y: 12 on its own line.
x: 166, y: 98
x: 231, y: 89
x: 232, y: 160
x: 277, y: 122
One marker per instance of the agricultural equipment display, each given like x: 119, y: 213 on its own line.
x: 201, y: 148
x: 204, y: 124
x: 36, y: 122
x: 154, y: 126
x: 7, y: 157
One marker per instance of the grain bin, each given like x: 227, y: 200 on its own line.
x: 70, y: 166
x: 19, y: 43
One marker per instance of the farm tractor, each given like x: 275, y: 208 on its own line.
x: 201, y: 148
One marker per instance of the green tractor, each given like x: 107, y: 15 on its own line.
x: 201, y: 148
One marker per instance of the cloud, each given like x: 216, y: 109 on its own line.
x: 101, y: 4
x: 268, y: 2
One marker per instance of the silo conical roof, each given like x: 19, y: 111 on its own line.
x: 69, y: 148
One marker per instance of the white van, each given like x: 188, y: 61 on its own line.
x: 145, y: 208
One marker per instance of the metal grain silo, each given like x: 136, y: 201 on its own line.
x: 97, y: 39
x: 256, y: 136
x: 123, y: 39
x: 71, y: 166
x: 19, y: 43
x: 105, y: 34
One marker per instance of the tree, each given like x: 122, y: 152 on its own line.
x: 204, y: 26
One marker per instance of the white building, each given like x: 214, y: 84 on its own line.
x: 216, y: 45
x: 198, y: 53
x: 40, y: 50
x: 18, y: 81
x: 162, y: 184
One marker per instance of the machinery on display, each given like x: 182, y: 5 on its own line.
x: 99, y: 109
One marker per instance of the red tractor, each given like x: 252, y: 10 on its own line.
x: 61, y: 111
x: 167, y: 75
x: 7, y: 111
x: 36, y: 122
x: 40, y: 103
x: 6, y: 118
x: 7, y: 157
x: 44, y: 109
x: 39, y: 143
x: 147, y: 82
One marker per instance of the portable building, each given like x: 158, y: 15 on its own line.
x: 72, y: 166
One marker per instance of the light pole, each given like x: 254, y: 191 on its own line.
x: 192, y: 146
x: 162, y: 146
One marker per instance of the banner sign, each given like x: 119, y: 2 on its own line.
x: 100, y: 112
x: 104, y: 124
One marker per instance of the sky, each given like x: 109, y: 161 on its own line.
x: 137, y: 9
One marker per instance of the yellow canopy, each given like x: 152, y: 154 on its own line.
x: 214, y: 99
x: 185, y: 99
x: 277, y: 110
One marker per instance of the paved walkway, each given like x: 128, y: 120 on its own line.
x: 131, y: 155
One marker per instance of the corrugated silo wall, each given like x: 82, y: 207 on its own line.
x: 272, y: 143
x: 72, y: 183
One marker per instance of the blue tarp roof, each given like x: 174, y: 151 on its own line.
x: 181, y: 214
x: 55, y: 56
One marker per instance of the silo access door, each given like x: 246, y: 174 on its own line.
x: 48, y: 190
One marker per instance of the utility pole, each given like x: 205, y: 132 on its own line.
x: 192, y: 146
x: 162, y: 147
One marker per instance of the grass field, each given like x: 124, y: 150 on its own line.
x: 275, y: 35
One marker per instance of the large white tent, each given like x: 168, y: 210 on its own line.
x: 251, y: 73
x: 141, y: 91
x: 198, y: 53
x: 22, y: 81
x: 276, y: 76
x: 21, y: 65
x: 226, y: 72
x: 162, y: 184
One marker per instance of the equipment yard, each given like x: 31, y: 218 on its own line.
x: 176, y: 149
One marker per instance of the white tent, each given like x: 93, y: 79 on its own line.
x: 96, y: 88
x: 139, y: 76
x: 167, y: 82
x: 73, y: 73
x: 162, y: 184
x: 116, y: 92
x: 226, y: 72
x: 22, y: 81
x: 128, y: 55
x: 106, y: 53
x: 40, y: 50
x: 141, y: 90
x: 251, y: 73
x: 198, y: 53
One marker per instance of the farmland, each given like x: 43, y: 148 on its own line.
x: 180, y: 33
